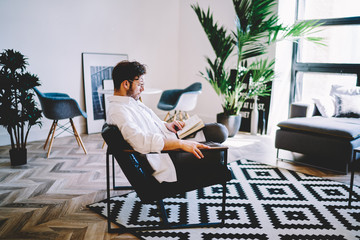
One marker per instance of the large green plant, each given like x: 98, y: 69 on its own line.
x: 18, y: 110
x: 257, y: 27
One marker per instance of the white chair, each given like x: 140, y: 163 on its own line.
x: 179, y: 100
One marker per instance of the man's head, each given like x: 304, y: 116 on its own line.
x: 128, y: 78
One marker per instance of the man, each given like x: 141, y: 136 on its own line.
x: 141, y: 127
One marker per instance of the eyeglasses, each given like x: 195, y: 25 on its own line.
x: 141, y: 83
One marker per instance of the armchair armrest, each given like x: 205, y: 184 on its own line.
x: 214, y: 146
x: 298, y: 110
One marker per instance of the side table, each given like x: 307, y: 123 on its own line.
x: 353, y: 164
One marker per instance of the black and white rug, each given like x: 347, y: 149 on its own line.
x: 263, y: 202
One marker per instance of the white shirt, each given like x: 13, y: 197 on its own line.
x: 144, y: 131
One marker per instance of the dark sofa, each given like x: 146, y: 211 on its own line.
x: 329, y: 140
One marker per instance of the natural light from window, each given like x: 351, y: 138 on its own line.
x: 320, y: 9
x: 342, y: 47
x: 316, y: 85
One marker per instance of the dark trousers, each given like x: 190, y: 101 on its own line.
x: 186, y: 164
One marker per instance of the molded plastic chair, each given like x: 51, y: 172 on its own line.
x: 180, y: 100
x: 139, y: 173
x: 58, y: 106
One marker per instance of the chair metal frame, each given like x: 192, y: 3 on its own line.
x: 165, y: 224
x: 353, y: 165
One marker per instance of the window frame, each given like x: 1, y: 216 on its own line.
x: 297, y: 67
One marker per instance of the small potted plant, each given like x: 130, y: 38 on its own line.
x: 18, y: 109
x: 257, y: 27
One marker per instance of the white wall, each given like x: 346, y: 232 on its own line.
x: 53, y: 34
x: 194, y: 46
x: 281, y: 85
x: 164, y: 34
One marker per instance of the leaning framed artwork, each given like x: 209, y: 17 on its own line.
x: 97, y: 67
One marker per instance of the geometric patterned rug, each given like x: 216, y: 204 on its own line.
x: 263, y: 202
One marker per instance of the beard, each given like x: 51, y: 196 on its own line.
x: 131, y: 93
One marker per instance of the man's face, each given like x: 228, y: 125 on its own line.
x: 137, y: 87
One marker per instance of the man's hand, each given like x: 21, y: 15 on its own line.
x: 193, y: 147
x: 175, y: 126
x: 186, y: 145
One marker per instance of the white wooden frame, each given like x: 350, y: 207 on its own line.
x: 96, y: 68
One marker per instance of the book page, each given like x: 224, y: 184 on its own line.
x: 192, y: 124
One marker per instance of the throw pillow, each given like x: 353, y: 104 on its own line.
x: 347, y: 106
x: 344, y: 90
x: 325, y: 105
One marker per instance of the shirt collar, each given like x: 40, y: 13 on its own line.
x: 122, y: 99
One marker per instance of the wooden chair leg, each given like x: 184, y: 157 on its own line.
x: 74, y: 131
x: 104, y: 143
x: 175, y: 116
x: 180, y: 115
x: 187, y: 115
x: 77, y: 139
x: 166, y: 117
x: 77, y: 136
x: 50, y: 131
x: 52, y: 138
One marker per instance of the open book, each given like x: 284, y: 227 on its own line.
x: 193, y: 124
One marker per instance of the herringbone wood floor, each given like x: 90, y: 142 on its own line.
x: 47, y: 198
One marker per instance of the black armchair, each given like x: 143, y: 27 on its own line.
x: 59, y: 106
x: 139, y: 173
x: 179, y: 100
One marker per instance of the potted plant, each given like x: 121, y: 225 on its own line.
x: 257, y: 27
x: 18, y: 110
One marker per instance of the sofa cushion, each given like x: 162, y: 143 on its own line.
x: 345, y: 90
x: 325, y: 105
x: 348, y: 128
x: 347, y: 106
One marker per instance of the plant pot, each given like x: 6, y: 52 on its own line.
x: 231, y: 122
x: 18, y: 156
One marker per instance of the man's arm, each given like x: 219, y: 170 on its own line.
x: 186, y: 145
x: 174, y: 126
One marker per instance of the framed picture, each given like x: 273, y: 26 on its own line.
x: 97, y: 67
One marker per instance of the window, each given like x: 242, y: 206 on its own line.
x: 342, y: 46
x: 318, y: 84
x: 324, y: 9
x: 314, y: 67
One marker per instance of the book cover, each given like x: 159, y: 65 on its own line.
x: 193, y: 124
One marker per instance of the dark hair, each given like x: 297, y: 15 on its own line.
x: 126, y: 70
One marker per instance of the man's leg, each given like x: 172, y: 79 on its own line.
x: 189, y: 168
